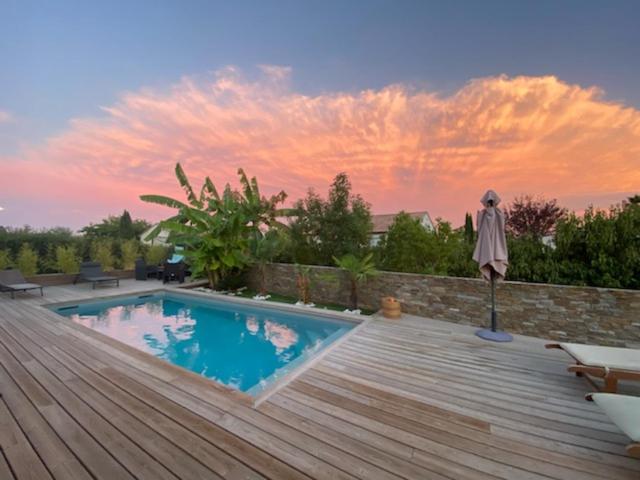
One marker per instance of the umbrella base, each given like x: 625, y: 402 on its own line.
x: 487, y: 334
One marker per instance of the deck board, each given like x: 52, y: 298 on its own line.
x: 413, y: 399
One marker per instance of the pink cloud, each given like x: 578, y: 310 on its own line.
x: 403, y: 148
x: 5, y: 117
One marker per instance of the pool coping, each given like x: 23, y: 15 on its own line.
x: 360, y: 322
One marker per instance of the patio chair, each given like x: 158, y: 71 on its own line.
x: 92, y: 272
x: 624, y: 411
x: 174, y: 271
x: 13, y: 281
x: 609, y: 363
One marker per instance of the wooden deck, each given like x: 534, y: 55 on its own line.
x: 413, y: 399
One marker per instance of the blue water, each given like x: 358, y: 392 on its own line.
x: 243, y: 347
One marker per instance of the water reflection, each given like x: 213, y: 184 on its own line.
x: 281, y: 336
x: 238, y: 348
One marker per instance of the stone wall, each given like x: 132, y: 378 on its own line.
x: 574, y: 314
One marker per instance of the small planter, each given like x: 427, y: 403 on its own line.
x: 391, y: 307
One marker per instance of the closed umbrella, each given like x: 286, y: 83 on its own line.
x: 492, y: 257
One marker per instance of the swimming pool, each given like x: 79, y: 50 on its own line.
x: 242, y: 346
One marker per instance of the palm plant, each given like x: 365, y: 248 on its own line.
x: 213, y: 228
x: 264, y: 248
x: 303, y: 282
x: 359, y: 270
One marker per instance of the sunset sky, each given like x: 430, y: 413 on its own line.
x: 424, y: 104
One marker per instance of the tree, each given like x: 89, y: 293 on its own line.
x: 333, y: 227
x: 469, y: 234
x: 215, y: 229
x: 533, y: 216
x: 5, y: 259
x: 530, y: 260
x: 102, y: 252
x: 359, y: 270
x: 130, y: 251
x: 156, y: 254
x: 27, y: 260
x: 601, y: 248
x: 634, y: 200
x: 67, y: 260
x: 405, y: 246
x: 126, y: 229
x: 116, y: 227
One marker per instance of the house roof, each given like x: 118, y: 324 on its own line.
x: 381, y: 223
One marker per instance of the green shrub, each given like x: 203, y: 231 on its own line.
x: 156, y: 254
x: 405, y: 247
x: 102, y: 251
x: 67, y: 260
x: 27, y: 261
x: 130, y: 251
x: 5, y: 259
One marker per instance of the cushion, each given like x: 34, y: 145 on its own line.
x: 612, y: 357
x: 23, y: 286
x: 623, y: 410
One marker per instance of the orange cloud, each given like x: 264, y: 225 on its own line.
x: 403, y: 148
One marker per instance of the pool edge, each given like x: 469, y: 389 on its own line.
x: 359, y: 320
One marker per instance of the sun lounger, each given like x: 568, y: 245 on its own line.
x: 92, y: 272
x: 13, y: 281
x: 609, y: 363
x: 624, y: 411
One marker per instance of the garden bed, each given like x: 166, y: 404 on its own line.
x: 274, y: 297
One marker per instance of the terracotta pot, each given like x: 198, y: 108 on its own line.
x: 391, y: 307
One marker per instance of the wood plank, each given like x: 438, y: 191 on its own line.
x: 59, y: 460
x: 17, y: 452
x: 95, y: 457
x: 5, y: 469
x: 183, y: 418
x: 346, y: 443
x: 553, y: 464
x: 414, y: 398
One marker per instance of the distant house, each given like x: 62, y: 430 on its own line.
x: 382, y: 223
x: 161, y: 239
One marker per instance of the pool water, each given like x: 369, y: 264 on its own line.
x: 244, y: 347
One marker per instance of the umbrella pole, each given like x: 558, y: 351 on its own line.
x: 494, y: 319
x: 493, y: 334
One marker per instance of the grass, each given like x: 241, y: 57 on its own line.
x: 292, y: 300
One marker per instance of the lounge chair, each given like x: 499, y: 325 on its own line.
x: 92, y: 272
x: 609, y: 363
x: 624, y: 411
x: 13, y: 281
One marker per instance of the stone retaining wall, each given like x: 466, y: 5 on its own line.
x: 574, y: 314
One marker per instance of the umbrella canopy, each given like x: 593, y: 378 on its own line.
x: 491, y: 248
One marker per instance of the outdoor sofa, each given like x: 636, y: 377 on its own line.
x: 13, y: 281
x: 608, y: 363
x: 92, y: 272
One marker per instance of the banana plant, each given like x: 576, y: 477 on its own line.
x: 263, y: 211
x: 214, y: 229
x: 359, y: 270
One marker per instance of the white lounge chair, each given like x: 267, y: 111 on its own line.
x: 609, y: 363
x: 624, y: 411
